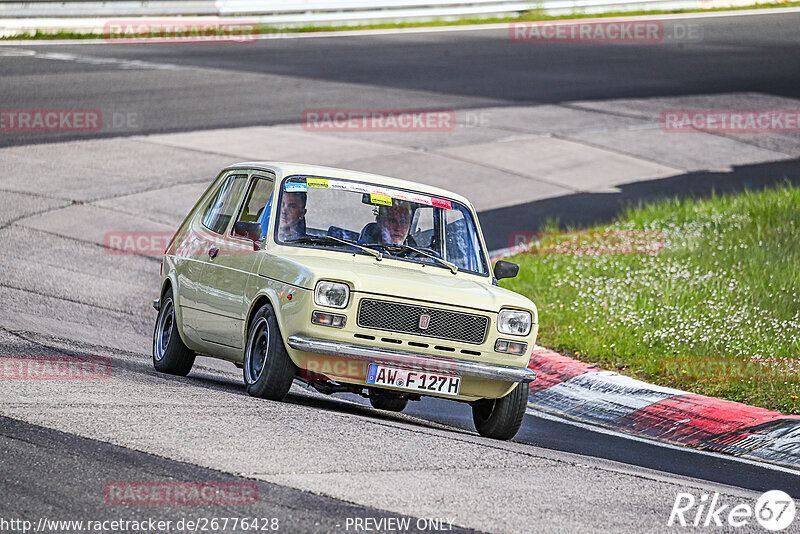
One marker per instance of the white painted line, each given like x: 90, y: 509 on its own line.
x: 434, y: 29
x: 614, y: 433
x: 125, y: 64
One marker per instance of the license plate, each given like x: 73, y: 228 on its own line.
x: 413, y: 380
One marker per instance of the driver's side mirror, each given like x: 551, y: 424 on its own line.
x: 250, y: 230
x: 505, y: 269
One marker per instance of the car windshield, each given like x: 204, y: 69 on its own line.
x: 379, y: 220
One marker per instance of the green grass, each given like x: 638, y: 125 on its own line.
x: 701, y: 295
x: 527, y: 16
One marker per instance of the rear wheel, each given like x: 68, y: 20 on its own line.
x: 388, y: 402
x: 268, y: 370
x: 501, y: 418
x: 170, y: 355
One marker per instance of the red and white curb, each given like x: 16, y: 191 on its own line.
x: 587, y: 393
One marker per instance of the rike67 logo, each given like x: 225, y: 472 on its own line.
x: 774, y: 510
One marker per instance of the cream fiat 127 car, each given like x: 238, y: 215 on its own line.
x: 347, y: 282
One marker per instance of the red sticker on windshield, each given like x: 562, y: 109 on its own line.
x: 441, y: 203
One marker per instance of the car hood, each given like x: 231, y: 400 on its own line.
x: 393, y: 278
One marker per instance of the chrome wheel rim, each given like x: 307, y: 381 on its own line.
x: 257, y: 347
x: 166, y: 320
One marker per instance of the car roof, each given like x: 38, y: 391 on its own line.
x: 283, y: 169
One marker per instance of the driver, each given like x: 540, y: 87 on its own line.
x: 293, y: 216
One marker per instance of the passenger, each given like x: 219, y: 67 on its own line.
x: 293, y: 216
x: 391, y: 225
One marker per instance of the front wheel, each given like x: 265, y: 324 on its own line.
x: 268, y: 370
x: 501, y: 418
x: 170, y: 355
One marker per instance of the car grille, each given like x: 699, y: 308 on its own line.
x: 405, y: 318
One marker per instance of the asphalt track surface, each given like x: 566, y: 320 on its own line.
x: 577, y: 476
x: 451, y: 70
x: 36, y: 458
x: 59, y: 476
x: 187, y: 87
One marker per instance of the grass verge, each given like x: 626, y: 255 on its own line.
x: 701, y: 295
x: 533, y: 15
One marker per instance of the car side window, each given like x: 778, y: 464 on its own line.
x: 219, y: 213
x: 257, y: 204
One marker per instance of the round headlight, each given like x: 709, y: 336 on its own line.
x: 514, y: 322
x: 331, y: 294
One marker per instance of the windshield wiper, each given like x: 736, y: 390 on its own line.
x: 322, y: 239
x: 452, y: 266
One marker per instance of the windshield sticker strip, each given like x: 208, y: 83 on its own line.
x: 441, y: 203
x: 296, y: 187
x: 381, y: 199
x: 377, y: 191
x: 318, y: 182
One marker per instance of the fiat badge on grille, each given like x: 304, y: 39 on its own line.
x: 424, y: 321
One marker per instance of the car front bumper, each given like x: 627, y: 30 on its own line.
x: 490, y: 371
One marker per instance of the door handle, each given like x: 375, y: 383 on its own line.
x: 212, y: 252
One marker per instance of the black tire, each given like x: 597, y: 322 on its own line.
x: 501, y: 418
x: 268, y: 371
x: 170, y: 355
x: 388, y: 402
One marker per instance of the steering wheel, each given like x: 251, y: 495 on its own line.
x: 423, y: 249
x: 405, y: 252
